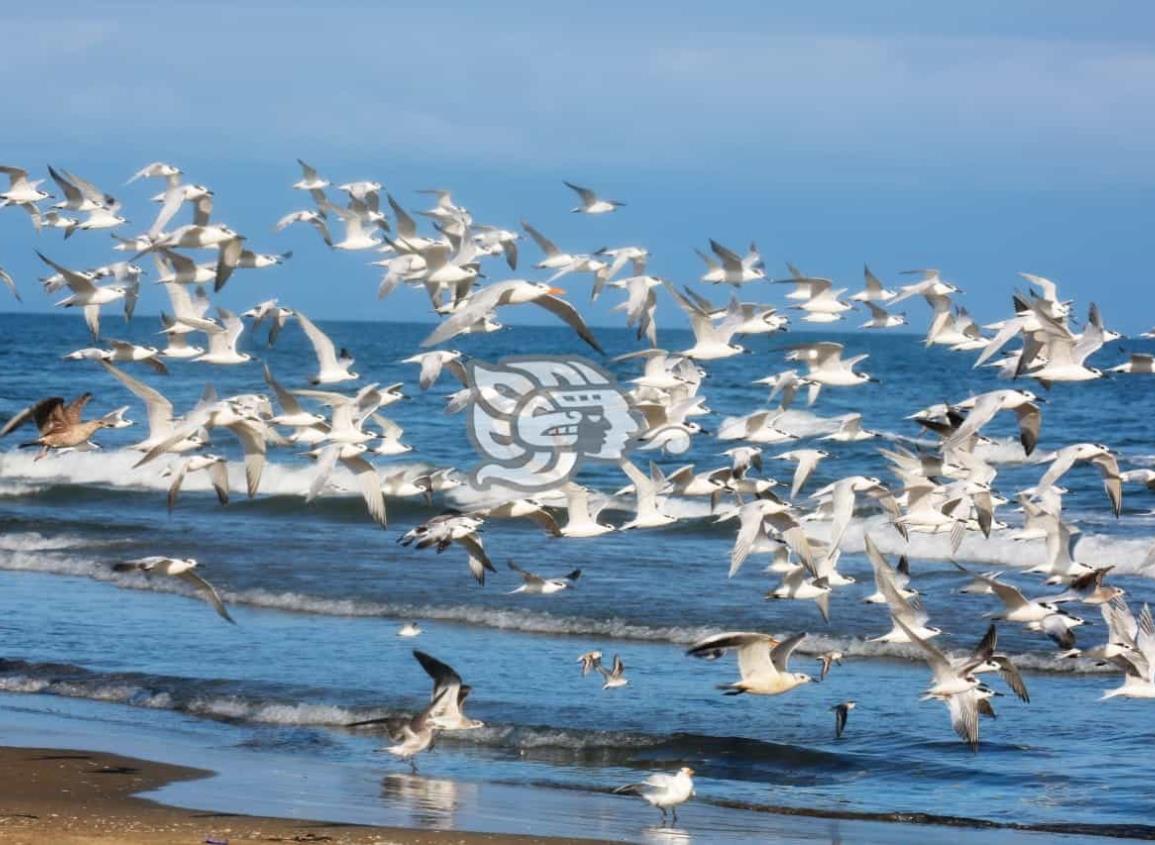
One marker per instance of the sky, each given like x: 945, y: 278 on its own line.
x: 984, y: 140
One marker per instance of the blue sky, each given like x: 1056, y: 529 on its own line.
x: 983, y: 141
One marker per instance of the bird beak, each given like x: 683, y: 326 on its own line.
x: 557, y: 291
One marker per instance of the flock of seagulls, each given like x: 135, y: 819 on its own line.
x: 336, y: 416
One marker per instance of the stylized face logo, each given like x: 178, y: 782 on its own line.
x: 534, y: 420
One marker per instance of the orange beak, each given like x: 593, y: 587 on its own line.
x: 557, y: 291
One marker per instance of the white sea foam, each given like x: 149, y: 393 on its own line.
x: 116, y: 469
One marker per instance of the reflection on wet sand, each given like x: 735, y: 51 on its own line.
x: 431, y: 802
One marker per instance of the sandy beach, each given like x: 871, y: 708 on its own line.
x: 65, y: 797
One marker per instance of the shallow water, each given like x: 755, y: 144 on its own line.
x: 319, y: 592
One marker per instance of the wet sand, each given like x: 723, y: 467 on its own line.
x: 56, y: 797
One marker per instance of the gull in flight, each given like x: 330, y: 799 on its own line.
x: 590, y: 203
x: 21, y: 191
x: 589, y: 661
x: 873, y: 289
x: 1134, y: 654
x: 277, y: 315
x: 223, y: 343
x: 1094, y: 453
x: 443, y: 531
x: 906, y: 611
x: 762, y: 661
x: 613, y: 677
x: 730, y: 268
x: 122, y: 351
x: 7, y: 279
x: 184, y: 569
x: 483, y: 302
x: 880, y: 318
x: 1138, y: 363
x: 828, y: 659
x: 449, y: 693
x: 85, y: 294
x: 666, y: 792
x: 312, y: 182
x: 333, y: 367
x: 983, y: 408
x: 60, y: 425
x: 806, y: 460
x: 756, y: 519
x: 214, y: 465
x: 159, y: 412
x: 841, y: 713
x: 536, y: 585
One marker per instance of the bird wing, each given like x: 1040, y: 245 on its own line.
x: 588, y: 197
x: 324, y: 348
x: 370, y: 483
x: 252, y: 439
x: 547, y: 246
x: 780, y: 653
x: 530, y: 578
x: 157, y: 407
x: 210, y: 593
x: 570, y: 315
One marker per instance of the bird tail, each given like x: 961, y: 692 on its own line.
x: 629, y: 789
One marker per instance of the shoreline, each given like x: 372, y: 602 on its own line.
x: 51, y: 796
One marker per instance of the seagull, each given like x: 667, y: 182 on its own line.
x: 580, y: 520
x: 410, y: 735
x: 806, y: 460
x: 904, y: 609
x: 615, y: 676
x: 161, y: 420
x: 536, y: 585
x: 590, y: 661
x: 732, y: 269
x: 666, y: 792
x: 880, y: 318
x: 448, y: 528
x: 352, y: 457
x: 484, y: 301
x: 873, y: 290
x: 449, y: 693
x: 850, y: 430
x: 177, y: 568
x: 1136, y: 658
x: 1095, y: 453
x: 223, y: 343
x: 215, y: 465
x: 841, y: 713
x: 21, y: 191
x: 6, y: 278
x: 648, y: 512
x: 828, y: 659
x: 762, y: 661
x: 333, y: 367
x: 1138, y: 363
x: 983, y: 408
x: 59, y: 424
x: 122, y: 351
x: 409, y: 629
x: 753, y: 518
x: 432, y: 363
x: 590, y: 204
x: 312, y: 182
x: 85, y: 294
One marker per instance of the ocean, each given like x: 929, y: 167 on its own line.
x: 319, y: 591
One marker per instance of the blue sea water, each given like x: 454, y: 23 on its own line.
x: 319, y: 592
